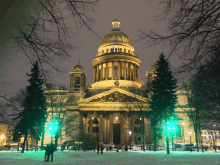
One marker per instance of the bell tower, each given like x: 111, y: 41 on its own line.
x: 78, y: 78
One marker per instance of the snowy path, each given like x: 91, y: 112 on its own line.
x: 111, y: 158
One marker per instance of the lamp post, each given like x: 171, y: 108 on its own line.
x: 130, y: 139
x: 190, y: 140
x: 214, y: 137
x: 19, y: 142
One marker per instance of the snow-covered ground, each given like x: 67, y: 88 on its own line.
x: 120, y: 158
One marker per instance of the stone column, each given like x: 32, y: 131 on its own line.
x: 134, y: 75
x: 121, y: 128
x: 125, y: 73
x: 132, y: 130
x: 71, y: 80
x: 94, y: 68
x: 112, y: 70
x: 130, y: 71
x: 104, y: 128
x: 101, y: 72
x: 106, y: 71
x: 127, y: 136
x: 97, y: 72
x: 101, y: 128
x: 90, y: 124
x: 111, y: 128
x: 119, y: 70
x: 107, y: 127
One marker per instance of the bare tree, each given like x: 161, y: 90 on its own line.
x: 193, y: 27
x: 12, y: 106
x: 192, y: 111
x: 58, y: 98
x: 138, y: 115
x: 40, y: 30
x: 43, y: 31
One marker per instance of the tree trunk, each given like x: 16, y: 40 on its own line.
x: 36, y: 146
x: 167, y: 141
x: 56, y: 140
x: 23, y: 146
x: 196, y: 136
x: 155, y: 139
x: 27, y: 144
x: 196, y: 123
x: 172, y: 143
x: 42, y: 139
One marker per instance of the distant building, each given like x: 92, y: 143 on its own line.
x: 210, y: 138
x: 107, y: 109
x: 3, y: 133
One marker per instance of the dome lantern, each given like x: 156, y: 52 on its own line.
x: 116, y: 24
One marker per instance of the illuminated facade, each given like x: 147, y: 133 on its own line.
x: 112, y: 106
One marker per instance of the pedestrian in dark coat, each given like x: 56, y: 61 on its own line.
x: 126, y: 148
x: 98, y: 148
x: 47, y: 153
x: 102, y: 148
x: 51, y: 150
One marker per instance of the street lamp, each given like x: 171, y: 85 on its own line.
x: 130, y: 139
x: 190, y: 139
x: 214, y: 137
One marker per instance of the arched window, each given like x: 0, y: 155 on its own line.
x: 95, y: 121
x: 128, y: 51
x: 94, y: 128
x: 107, y: 51
x: 120, y: 49
x: 102, y: 51
x: 112, y: 49
x: 115, y: 49
x: 77, y: 83
x: 125, y: 50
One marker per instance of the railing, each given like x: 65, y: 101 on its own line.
x: 113, y: 53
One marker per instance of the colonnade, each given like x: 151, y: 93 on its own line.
x: 106, y: 121
x: 126, y: 71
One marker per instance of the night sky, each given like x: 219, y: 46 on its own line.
x: 133, y: 15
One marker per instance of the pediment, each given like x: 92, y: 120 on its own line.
x: 77, y: 70
x: 115, y: 95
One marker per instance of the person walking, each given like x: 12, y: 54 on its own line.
x: 47, y: 153
x: 98, y: 148
x: 51, y: 150
x: 102, y: 148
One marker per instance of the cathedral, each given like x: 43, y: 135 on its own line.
x: 112, y: 109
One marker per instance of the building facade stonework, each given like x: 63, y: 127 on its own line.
x: 116, y: 101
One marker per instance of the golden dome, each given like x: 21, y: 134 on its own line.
x: 78, y: 66
x: 116, y: 35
